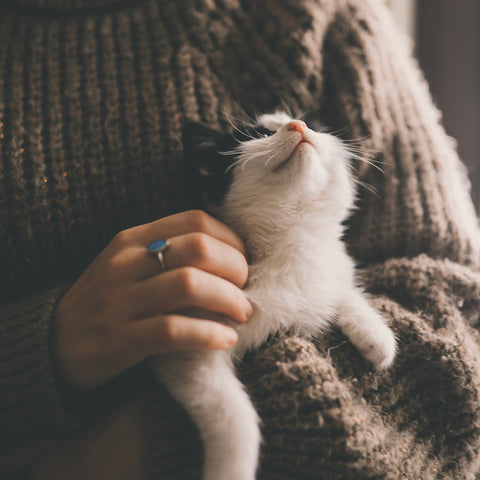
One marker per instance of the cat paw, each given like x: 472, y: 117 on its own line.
x: 368, y: 331
x: 379, y: 348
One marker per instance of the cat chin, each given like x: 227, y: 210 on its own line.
x: 301, y: 155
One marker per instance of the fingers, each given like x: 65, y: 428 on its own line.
x: 176, y: 332
x: 180, y: 224
x: 209, y: 254
x: 198, y: 250
x: 122, y: 290
x: 189, y: 287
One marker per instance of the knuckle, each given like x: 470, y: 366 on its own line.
x: 122, y: 239
x: 198, y: 220
x: 117, y: 262
x: 169, y: 331
x: 188, y: 281
x: 244, y: 272
x: 200, y: 246
x: 210, y: 337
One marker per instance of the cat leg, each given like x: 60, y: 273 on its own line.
x: 206, y: 385
x: 367, y: 330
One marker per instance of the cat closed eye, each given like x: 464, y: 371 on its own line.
x: 265, y: 132
x: 253, y: 133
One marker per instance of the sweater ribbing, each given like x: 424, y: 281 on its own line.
x: 92, y: 102
x: 27, y: 371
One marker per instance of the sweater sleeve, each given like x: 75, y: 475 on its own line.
x: 30, y: 402
x: 420, y: 201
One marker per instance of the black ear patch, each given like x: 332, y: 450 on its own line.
x: 207, y: 155
x: 196, y: 136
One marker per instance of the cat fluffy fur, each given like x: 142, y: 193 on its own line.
x: 287, y: 201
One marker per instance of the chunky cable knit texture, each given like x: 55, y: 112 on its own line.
x: 93, y: 96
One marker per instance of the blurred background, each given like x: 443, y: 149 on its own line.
x: 446, y: 36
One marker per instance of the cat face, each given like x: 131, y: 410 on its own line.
x: 276, y: 161
x: 290, y: 157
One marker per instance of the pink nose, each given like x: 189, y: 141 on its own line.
x: 297, y: 125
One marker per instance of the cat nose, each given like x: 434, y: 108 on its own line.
x: 297, y: 125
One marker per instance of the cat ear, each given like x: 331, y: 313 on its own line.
x: 198, y: 136
x: 200, y: 149
x: 205, y: 166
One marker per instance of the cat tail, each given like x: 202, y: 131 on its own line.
x: 204, y: 383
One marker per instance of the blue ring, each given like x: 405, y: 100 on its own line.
x: 158, y: 246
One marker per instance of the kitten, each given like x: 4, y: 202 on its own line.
x: 285, y: 189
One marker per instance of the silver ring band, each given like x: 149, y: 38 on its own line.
x: 157, y: 248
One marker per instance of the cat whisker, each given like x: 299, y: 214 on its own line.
x: 337, y: 133
x: 367, y: 154
x: 359, y: 144
x: 368, y: 187
x: 249, y: 136
x: 243, y: 119
x: 227, y: 153
x: 361, y: 158
x: 269, y: 159
x: 233, y: 165
x: 243, y: 160
x: 287, y: 109
x: 358, y: 140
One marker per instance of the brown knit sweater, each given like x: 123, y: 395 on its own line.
x: 93, y: 96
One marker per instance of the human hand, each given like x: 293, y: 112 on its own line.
x: 121, y: 310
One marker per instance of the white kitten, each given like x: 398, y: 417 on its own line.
x: 288, y: 193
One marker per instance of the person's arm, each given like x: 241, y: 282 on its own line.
x: 421, y: 201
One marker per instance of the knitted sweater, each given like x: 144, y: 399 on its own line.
x: 93, y: 96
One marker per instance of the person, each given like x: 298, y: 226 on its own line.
x: 93, y: 97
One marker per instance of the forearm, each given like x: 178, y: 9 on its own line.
x: 421, y: 201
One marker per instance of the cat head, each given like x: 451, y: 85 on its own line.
x: 276, y: 166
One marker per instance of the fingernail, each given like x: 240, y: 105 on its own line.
x: 231, y: 337
x: 248, y: 310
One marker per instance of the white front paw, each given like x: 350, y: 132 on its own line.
x: 379, y: 347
